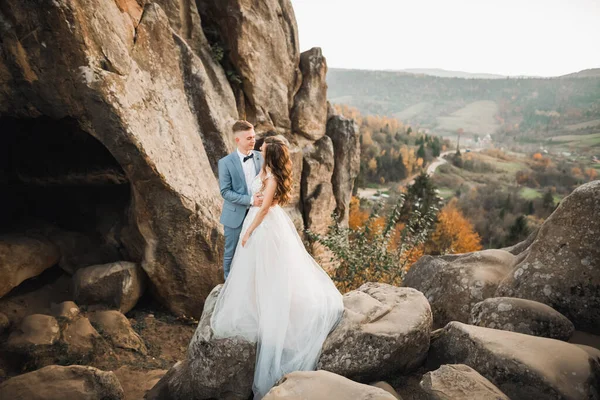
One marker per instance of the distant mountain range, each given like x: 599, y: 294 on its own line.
x: 444, y: 73
x: 586, y: 73
x: 479, y: 104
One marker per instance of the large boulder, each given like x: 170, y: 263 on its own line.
x: 23, y: 257
x: 117, y: 285
x: 213, y: 368
x: 158, y: 89
x: 309, y: 115
x: 523, y: 316
x: 261, y: 43
x: 121, y: 76
x: 323, y: 385
x: 385, y: 330
x: 454, y: 287
x: 459, y: 382
x: 54, y: 382
x: 345, y: 135
x: 562, y: 267
x: 521, y: 366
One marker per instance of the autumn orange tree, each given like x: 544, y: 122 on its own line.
x: 375, y: 249
x: 453, y: 233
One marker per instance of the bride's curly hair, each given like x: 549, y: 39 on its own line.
x: 277, y: 160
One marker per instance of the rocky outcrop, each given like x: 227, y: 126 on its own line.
x: 208, y: 91
x: 345, y: 136
x: 384, y: 330
x: 157, y: 86
x: 117, y: 285
x: 317, y: 191
x: 23, y: 257
x: 523, y: 316
x: 453, y: 287
x: 561, y: 268
x: 459, y: 382
x: 309, y: 115
x: 120, y: 78
x: 75, y: 382
x: 261, y: 43
x: 323, y: 385
x: 521, y: 366
x: 214, y: 368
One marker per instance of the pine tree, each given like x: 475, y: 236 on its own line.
x: 421, y: 151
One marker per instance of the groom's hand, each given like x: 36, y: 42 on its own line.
x: 258, y: 200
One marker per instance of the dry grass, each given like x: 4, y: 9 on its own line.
x: 475, y: 118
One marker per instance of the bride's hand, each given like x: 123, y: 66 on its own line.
x: 245, y: 239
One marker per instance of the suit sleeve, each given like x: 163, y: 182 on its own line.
x: 227, y: 191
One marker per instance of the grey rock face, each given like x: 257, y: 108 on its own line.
x: 562, y: 268
x: 521, y: 366
x: 523, y: 316
x: 384, y: 330
x: 453, y: 287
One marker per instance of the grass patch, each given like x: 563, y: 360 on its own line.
x: 557, y: 198
x: 446, y: 193
x: 590, y: 140
x: 529, y: 193
x: 476, y: 117
x: 583, y: 125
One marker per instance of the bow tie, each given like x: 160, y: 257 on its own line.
x: 249, y: 157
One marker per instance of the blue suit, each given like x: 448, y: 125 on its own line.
x: 234, y: 190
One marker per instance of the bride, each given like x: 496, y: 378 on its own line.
x: 276, y: 294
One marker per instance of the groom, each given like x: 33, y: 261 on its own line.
x: 236, y: 172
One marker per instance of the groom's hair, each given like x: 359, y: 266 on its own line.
x: 241, y: 126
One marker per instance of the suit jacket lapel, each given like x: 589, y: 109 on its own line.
x: 238, y: 166
x: 258, y: 163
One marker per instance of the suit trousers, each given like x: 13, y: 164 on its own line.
x: 232, y: 236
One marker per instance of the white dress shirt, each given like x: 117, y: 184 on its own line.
x: 249, y: 172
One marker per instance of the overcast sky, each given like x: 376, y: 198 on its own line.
x: 508, y: 37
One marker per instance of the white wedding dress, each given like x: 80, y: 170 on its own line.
x: 277, y: 296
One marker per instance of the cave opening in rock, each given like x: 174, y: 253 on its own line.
x: 58, y: 181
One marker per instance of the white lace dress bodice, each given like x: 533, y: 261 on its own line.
x: 258, y: 183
